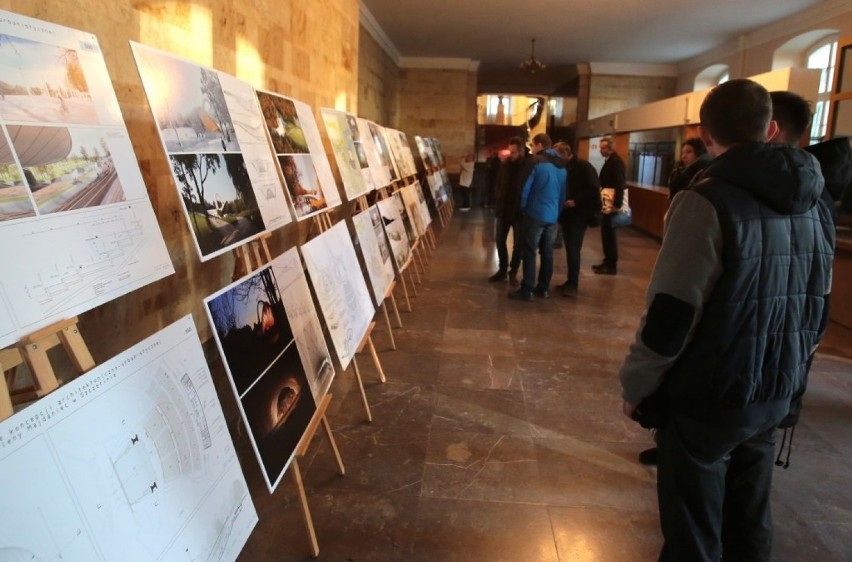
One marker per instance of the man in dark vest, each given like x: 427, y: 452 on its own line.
x: 736, y: 306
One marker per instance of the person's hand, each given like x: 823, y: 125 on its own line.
x: 570, y: 203
x: 628, y: 408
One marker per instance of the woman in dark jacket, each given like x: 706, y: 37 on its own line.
x: 693, y: 159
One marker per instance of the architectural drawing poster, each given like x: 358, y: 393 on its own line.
x: 298, y: 148
x: 415, y: 204
x: 345, y: 139
x: 131, y: 461
x: 340, y: 288
x: 376, y: 252
x: 77, y: 226
x: 212, y: 133
x: 395, y: 231
x: 265, y: 364
x: 407, y: 220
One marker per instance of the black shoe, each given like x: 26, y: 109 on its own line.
x: 499, y: 276
x: 563, y: 286
x: 521, y: 295
x: 648, y: 457
x: 599, y: 266
x: 513, y: 279
x: 543, y: 293
x: 605, y: 269
x: 569, y: 291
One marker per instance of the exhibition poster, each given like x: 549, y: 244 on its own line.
x: 296, y: 141
x: 378, y: 167
x: 412, y: 197
x: 212, y: 133
x: 376, y: 252
x: 407, y: 220
x: 132, y: 461
x: 77, y: 226
x: 340, y: 288
x: 395, y: 232
x: 264, y: 365
x: 345, y: 139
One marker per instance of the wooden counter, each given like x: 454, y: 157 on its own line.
x: 649, y: 204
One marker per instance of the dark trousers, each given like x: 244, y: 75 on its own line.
x: 713, y: 486
x: 573, y: 232
x: 609, y: 242
x: 537, y: 236
x: 502, y: 228
x: 465, y: 196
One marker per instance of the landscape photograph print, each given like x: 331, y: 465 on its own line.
x: 251, y: 326
x: 66, y: 168
x: 187, y: 102
x: 218, y: 199
x: 43, y: 83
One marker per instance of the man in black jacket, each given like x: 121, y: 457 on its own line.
x: 507, y: 212
x: 613, y: 177
x: 582, y: 202
x: 737, y: 304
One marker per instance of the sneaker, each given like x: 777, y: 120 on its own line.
x: 648, y: 457
x: 569, y: 291
x: 499, y: 276
x: 521, y: 295
x: 513, y: 279
x: 543, y: 293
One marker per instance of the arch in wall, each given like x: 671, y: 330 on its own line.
x: 795, y: 51
x: 710, y: 77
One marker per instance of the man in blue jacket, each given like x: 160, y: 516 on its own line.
x: 541, y: 201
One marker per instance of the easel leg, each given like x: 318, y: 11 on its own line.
x: 388, y: 324
x: 411, y: 278
x: 361, y: 388
x: 405, y: 291
x: 376, y: 359
x: 306, y: 511
x: 417, y: 265
x: 396, y: 311
x: 333, y: 445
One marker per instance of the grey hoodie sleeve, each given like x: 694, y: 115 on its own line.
x: 688, y: 266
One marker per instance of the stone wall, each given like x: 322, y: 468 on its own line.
x: 609, y: 94
x: 378, y: 82
x: 307, y: 50
x: 442, y: 104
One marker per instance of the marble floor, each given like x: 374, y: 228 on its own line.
x: 499, y: 435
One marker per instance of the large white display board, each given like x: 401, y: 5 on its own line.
x: 345, y: 139
x: 271, y: 376
x: 213, y: 135
x: 379, y: 166
x: 76, y: 225
x: 376, y: 252
x: 341, y: 290
x: 395, y: 231
x: 298, y: 148
x: 415, y: 204
x: 131, y: 461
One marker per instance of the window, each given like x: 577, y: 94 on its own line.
x: 822, y: 57
x: 711, y: 76
x: 724, y: 77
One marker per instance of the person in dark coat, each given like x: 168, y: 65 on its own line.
x: 736, y: 307
x: 507, y: 212
x: 582, y: 202
x: 613, y: 180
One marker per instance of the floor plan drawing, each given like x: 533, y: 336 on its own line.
x: 132, y: 461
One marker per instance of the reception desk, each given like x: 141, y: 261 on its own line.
x: 649, y: 204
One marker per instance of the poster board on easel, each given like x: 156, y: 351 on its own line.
x: 348, y: 148
x: 133, y: 458
x: 77, y: 224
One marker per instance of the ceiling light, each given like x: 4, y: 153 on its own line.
x: 532, y: 64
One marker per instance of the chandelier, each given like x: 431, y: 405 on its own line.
x: 532, y: 64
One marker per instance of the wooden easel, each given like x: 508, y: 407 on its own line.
x: 389, y: 295
x: 259, y: 250
x: 301, y: 450
x: 32, y: 350
x: 367, y: 340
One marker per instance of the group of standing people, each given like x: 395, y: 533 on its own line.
x: 552, y: 187
x: 736, y: 305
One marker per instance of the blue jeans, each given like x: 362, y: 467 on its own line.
x: 537, y: 235
x: 573, y: 232
x: 502, y: 235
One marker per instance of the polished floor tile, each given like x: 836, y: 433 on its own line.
x: 499, y: 436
